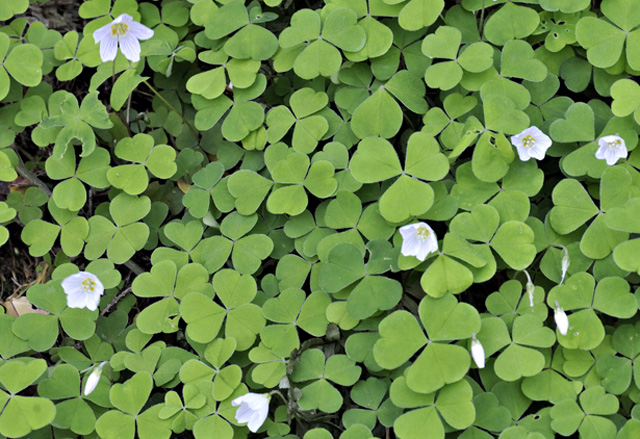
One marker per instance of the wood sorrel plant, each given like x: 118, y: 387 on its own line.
x: 308, y: 217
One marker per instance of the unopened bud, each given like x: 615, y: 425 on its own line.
x: 477, y: 351
x: 94, y: 379
x: 565, y: 264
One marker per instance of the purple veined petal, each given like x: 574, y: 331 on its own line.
x: 130, y: 47
x: 102, y: 34
x: 140, y: 31
x: 108, y: 49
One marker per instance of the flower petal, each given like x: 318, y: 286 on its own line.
x: 103, y: 33
x: 130, y: 47
x: 140, y: 31
x: 108, y: 49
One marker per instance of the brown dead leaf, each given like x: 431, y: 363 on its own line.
x: 17, y: 306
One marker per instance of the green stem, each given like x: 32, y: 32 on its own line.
x: 168, y: 104
x: 25, y: 173
x: 481, y: 20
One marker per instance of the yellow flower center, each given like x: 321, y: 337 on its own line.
x: 88, y: 285
x: 119, y: 28
x: 614, y: 144
x: 423, y: 232
x: 528, y: 141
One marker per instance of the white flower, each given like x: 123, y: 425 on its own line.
x: 122, y: 31
x: 477, y: 352
x: 83, y: 290
x: 531, y: 143
x: 562, y: 321
x: 611, y: 149
x: 93, y: 379
x: 254, y: 408
x: 418, y: 240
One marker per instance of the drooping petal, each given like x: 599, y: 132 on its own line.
x: 130, y: 47
x: 103, y: 33
x: 108, y: 49
x: 140, y: 31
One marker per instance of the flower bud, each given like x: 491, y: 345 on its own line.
x: 562, y: 321
x: 94, y: 379
x: 477, y: 352
x: 565, y: 264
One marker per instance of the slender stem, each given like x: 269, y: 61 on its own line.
x: 133, y: 267
x: 481, y: 20
x: 24, y: 172
x: 129, y: 108
x: 115, y: 300
x: 168, y: 104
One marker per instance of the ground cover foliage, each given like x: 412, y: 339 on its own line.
x: 239, y: 194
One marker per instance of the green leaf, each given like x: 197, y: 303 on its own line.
x: 40, y: 331
x: 518, y: 61
x: 417, y: 14
x: 243, y: 118
x: 317, y: 59
x: 577, y: 126
x: 424, y: 158
x: 625, y: 254
x: 445, y: 319
x: 210, y: 84
x: 374, y: 160
x: 510, y: 22
x: 455, y: 406
x: 406, y: 197
x: 39, y: 236
x: 229, y: 18
x: 252, y: 42
x: 400, y: 338
x: 116, y: 425
x: 443, y: 43
x: 603, y: 41
x: 22, y: 414
x: 16, y: 375
x: 573, y: 206
x: 446, y: 275
x: 344, y: 266
x: 341, y: 29
x: 373, y: 293
x: 123, y: 87
x: 203, y: 316
x: 24, y: 64
x: 518, y: 361
x: 379, y: 115
x: 414, y: 424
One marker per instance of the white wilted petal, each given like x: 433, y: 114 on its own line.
x: 418, y: 240
x: 122, y: 32
x: 83, y: 290
x: 477, y: 352
x: 611, y: 148
x: 253, y: 409
x: 531, y: 143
